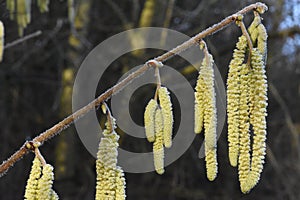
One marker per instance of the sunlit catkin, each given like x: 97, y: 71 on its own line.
x: 167, y: 115
x: 158, y: 148
x: 149, y: 116
x: 45, y: 183
x: 33, y: 180
x: 1, y: 40
x: 233, y: 98
x: 262, y: 41
x: 258, y: 115
x: 110, y: 178
x: 200, y: 98
x: 244, y: 125
x: 210, y: 119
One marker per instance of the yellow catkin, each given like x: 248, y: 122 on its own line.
x: 21, y: 16
x: 45, y: 183
x: 262, y: 41
x: 199, y: 99
x: 43, y: 5
x: 149, y: 115
x: 233, y: 95
x: 244, y: 125
x: 120, y: 182
x: 33, y: 180
x: 110, y: 177
x: 10, y: 5
x: 158, y: 148
x: 210, y: 120
x: 167, y: 114
x: 253, y: 32
x: 1, y: 40
x: 258, y: 115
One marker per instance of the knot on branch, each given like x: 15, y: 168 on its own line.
x: 154, y: 63
x: 30, y: 145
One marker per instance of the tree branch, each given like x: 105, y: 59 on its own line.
x: 65, y: 123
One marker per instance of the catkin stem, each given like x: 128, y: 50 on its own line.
x: 158, y: 82
x: 57, y: 128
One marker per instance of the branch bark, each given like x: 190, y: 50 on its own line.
x: 65, y: 123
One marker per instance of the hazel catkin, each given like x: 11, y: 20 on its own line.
x: 33, y: 180
x: 167, y: 115
x: 149, y: 116
x: 158, y: 148
x: 233, y: 99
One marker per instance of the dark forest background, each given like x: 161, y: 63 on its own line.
x: 36, y: 79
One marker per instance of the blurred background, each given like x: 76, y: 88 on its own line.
x: 36, y: 78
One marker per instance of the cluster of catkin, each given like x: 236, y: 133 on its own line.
x: 110, y: 177
x: 39, y: 183
x: 158, y: 118
x: 246, y: 105
x: 206, y: 112
x: 21, y: 11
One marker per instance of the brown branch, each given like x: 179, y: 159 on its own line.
x: 57, y: 128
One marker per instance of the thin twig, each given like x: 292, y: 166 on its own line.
x: 23, y: 39
x: 57, y: 128
x: 249, y: 41
x: 158, y: 82
x: 40, y: 156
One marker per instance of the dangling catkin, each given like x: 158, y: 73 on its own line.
x: 158, y: 148
x: 206, y: 113
x: 233, y: 98
x: 1, y: 40
x: 149, y: 116
x: 110, y: 178
x: 199, y: 100
x: 23, y: 14
x: 258, y: 115
x: 244, y: 136
x: 167, y: 115
x: 210, y: 121
x: 33, y: 180
x: 45, y: 183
